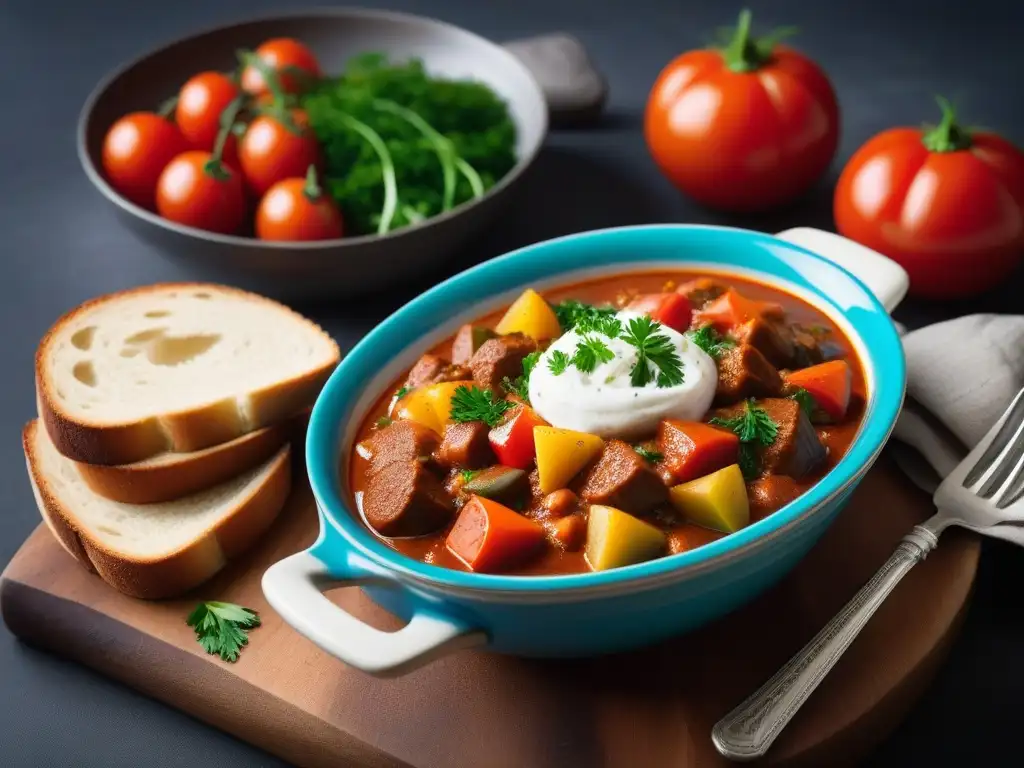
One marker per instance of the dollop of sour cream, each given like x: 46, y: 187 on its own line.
x: 606, y: 403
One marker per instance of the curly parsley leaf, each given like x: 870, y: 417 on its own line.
x: 468, y: 474
x: 475, y: 404
x: 590, y: 352
x: 571, y: 313
x: 520, y: 386
x: 806, y: 400
x: 222, y: 628
x: 647, y: 454
x: 755, y: 429
x: 749, y: 464
x: 401, y: 392
x: 559, y: 362
x: 657, y: 359
x: 710, y: 340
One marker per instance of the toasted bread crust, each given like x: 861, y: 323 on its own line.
x: 184, y: 431
x: 178, y: 572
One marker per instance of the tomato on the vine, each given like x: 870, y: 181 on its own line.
x: 135, y: 152
x: 298, y: 209
x: 747, y: 127
x: 946, y: 203
x: 277, y: 147
x: 280, y: 55
x: 201, y: 101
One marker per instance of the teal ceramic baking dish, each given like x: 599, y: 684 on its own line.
x: 592, y: 613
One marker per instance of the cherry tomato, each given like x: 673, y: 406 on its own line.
x: 947, y: 204
x: 746, y: 128
x: 271, y: 152
x: 278, y: 54
x: 199, y: 191
x: 136, y: 150
x: 297, y: 209
x: 200, y: 104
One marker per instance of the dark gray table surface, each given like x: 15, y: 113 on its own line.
x: 61, y: 244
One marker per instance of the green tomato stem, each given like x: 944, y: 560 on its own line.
x: 312, y: 189
x: 745, y: 53
x: 166, y: 110
x: 214, y: 166
x: 947, y: 136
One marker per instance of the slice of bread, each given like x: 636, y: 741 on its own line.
x: 154, y: 551
x: 175, y: 368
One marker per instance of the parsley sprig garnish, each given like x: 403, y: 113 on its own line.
x: 657, y: 360
x: 755, y: 429
x: 559, y: 362
x: 520, y: 385
x: 806, y: 400
x: 647, y: 454
x: 401, y: 392
x: 710, y: 340
x: 571, y: 313
x: 590, y: 352
x: 222, y: 628
x: 475, y: 404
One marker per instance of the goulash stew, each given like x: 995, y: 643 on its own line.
x: 607, y: 423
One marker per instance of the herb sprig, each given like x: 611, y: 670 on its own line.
x: 222, y: 628
x: 571, y: 313
x: 475, y: 404
x: 520, y: 385
x: 647, y: 454
x: 755, y: 429
x: 806, y: 400
x: 590, y: 352
x: 657, y: 360
x: 710, y: 340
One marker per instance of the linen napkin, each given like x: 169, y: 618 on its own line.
x: 961, y: 376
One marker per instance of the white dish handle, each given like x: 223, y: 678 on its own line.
x: 294, y: 588
x: 883, y: 276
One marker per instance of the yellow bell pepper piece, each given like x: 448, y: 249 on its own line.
x: 431, y: 405
x: 717, y: 501
x: 440, y: 396
x: 615, y: 539
x: 561, y: 453
x: 530, y: 315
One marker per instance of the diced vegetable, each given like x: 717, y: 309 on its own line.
x: 561, y: 454
x: 732, y: 309
x: 615, y: 539
x: 468, y: 340
x: 567, y: 533
x: 717, y: 501
x: 512, y: 440
x: 691, y: 449
x: 429, y: 405
x: 828, y: 383
x: 504, y: 484
x: 440, y: 397
x: 669, y: 309
x: 531, y: 316
x: 489, y: 537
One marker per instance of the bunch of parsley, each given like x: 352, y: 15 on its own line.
x: 401, y: 145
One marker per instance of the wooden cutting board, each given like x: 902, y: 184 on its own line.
x: 653, y: 707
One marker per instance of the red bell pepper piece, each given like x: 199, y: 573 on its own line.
x: 690, y: 449
x: 669, y: 309
x: 512, y: 440
x: 732, y: 308
x: 828, y: 383
x: 489, y: 537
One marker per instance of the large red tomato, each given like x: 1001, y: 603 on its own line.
x: 947, y: 204
x: 748, y: 127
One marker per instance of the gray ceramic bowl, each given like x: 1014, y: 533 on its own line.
x: 331, y: 268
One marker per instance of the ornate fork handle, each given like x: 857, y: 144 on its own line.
x: 748, y: 731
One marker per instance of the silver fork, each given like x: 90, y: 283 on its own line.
x: 984, y: 493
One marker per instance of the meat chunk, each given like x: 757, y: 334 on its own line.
x: 622, y: 479
x: 465, y: 446
x: 806, y: 349
x: 744, y: 372
x: 406, y: 499
x: 432, y: 369
x: 498, y: 358
x: 401, y: 441
x: 773, y: 340
x: 467, y: 341
x: 797, y: 450
x: 701, y: 291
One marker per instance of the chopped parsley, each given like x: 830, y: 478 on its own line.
x: 606, y: 326
x: 710, y: 340
x: 657, y: 360
x: 475, y: 404
x: 755, y: 429
x: 402, y: 392
x: 520, y: 386
x: 222, y: 628
x: 572, y: 312
x: 648, y: 455
x: 382, y: 422
x: 590, y: 352
x: 467, y: 474
x: 806, y: 400
x: 559, y: 362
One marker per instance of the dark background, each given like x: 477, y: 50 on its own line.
x: 60, y: 244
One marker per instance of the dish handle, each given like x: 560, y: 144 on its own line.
x: 295, y: 587
x: 883, y: 276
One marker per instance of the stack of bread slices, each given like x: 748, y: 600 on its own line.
x: 162, y: 447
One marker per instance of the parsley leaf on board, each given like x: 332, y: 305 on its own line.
x: 475, y: 404
x: 590, y: 352
x: 648, y: 455
x: 222, y: 628
x: 559, y: 362
x: 755, y: 428
x: 653, y: 349
x: 572, y: 312
x: 710, y: 340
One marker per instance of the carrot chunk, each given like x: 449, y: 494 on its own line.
x: 732, y: 308
x: 691, y: 449
x: 828, y: 383
x: 489, y: 537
